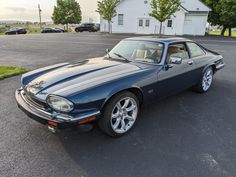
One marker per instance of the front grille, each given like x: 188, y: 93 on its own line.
x: 35, y: 102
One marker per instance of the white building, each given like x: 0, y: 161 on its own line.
x: 133, y: 17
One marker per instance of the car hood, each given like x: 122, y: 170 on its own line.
x: 79, y: 76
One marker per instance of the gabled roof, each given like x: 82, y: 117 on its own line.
x: 194, y: 5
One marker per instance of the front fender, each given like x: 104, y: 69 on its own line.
x: 95, y: 98
x: 118, y: 90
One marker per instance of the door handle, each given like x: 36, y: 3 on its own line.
x: 190, y: 62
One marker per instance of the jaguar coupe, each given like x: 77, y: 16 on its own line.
x: 111, y: 90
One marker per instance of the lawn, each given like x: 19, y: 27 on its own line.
x: 7, y: 71
x: 226, y: 33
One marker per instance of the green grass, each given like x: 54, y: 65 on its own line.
x: 2, y: 32
x: 7, y: 71
x: 226, y: 33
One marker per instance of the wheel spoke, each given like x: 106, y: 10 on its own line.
x: 122, y: 124
x: 131, y: 108
x: 126, y: 103
x: 208, y: 73
x: 115, y: 115
x: 130, y: 118
x: 119, y: 106
x: 117, y: 123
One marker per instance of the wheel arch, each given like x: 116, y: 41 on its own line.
x: 212, y: 65
x: 135, y: 90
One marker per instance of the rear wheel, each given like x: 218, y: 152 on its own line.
x: 119, y: 114
x: 206, y: 81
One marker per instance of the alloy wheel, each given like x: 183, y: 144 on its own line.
x: 207, y: 79
x: 124, y: 115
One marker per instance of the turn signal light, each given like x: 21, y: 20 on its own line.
x: 54, y: 124
x: 87, y: 120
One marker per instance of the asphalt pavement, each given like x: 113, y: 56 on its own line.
x: 186, y: 135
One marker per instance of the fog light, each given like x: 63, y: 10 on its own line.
x: 51, y: 129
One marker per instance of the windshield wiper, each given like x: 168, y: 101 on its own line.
x: 120, y: 56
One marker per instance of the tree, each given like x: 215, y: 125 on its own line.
x: 107, y: 10
x: 227, y: 10
x: 66, y: 12
x: 163, y: 9
x: 223, y: 13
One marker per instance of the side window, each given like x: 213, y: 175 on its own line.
x: 169, y: 23
x: 120, y: 19
x: 147, y: 23
x: 195, y: 50
x: 140, y: 22
x: 177, y: 50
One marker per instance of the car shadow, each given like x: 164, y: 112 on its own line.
x: 171, y: 138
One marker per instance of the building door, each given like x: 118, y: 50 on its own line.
x: 170, y: 27
x: 144, y: 26
x: 188, y: 27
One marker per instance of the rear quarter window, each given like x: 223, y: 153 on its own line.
x: 195, y: 50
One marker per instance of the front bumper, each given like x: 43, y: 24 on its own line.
x: 45, y: 117
x: 220, y: 66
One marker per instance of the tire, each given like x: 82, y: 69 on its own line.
x: 206, y: 81
x: 124, y: 118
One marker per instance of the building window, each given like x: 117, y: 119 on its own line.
x: 147, y: 23
x: 169, y: 23
x: 120, y: 19
x: 140, y: 22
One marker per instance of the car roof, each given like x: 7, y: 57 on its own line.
x: 158, y: 39
x: 15, y: 28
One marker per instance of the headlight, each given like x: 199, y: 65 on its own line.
x: 60, y: 104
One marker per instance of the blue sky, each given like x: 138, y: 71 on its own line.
x: 28, y: 9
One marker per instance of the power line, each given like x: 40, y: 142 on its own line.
x: 40, y: 16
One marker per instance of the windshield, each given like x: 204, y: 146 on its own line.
x: 143, y: 51
x: 13, y: 29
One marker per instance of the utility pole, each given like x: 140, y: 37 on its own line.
x: 40, y: 18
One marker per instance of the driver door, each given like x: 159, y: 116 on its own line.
x: 173, y: 77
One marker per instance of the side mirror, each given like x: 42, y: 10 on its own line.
x: 107, y: 51
x: 175, y: 60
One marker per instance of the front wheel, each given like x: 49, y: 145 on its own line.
x: 205, y: 81
x: 119, y: 114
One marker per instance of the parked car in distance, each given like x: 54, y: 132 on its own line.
x: 13, y: 31
x: 111, y: 90
x: 51, y: 30
x: 91, y: 27
x: 62, y: 30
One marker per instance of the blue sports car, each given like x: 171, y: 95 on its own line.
x: 111, y: 90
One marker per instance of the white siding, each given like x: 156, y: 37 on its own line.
x: 134, y: 10
x: 195, y: 24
